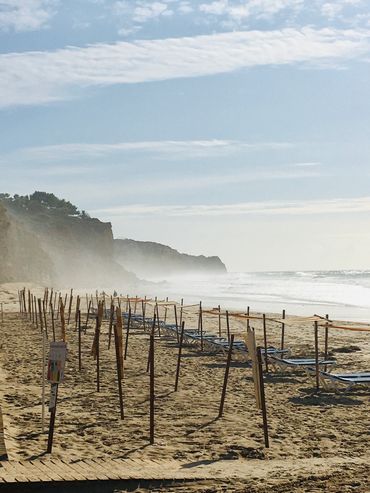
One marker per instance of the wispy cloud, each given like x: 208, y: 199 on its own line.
x: 334, y: 206
x: 238, y: 11
x: 26, y: 15
x: 171, y: 148
x: 43, y: 77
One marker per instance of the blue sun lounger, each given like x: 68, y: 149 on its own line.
x: 349, y: 379
x: 297, y: 363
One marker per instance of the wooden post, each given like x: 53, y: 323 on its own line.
x: 117, y: 343
x: 179, y: 356
x: 282, y: 331
x: 219, y: 321
x: 44, y: 315
x: 317, y: 368
x: 326, y: 349
x: 79, y: 340
x: 88, y: 315
x: 158, y: 324
x: 226, y: 377
x: 52, y: 320
x: 228, y: 325
x: 62, y: 321
x: 143, y: 312
x: 201, y: 326
x: 127, y: 332
x: 176, y: 323
x: 263, y: 398
x: 152, y: 389
x: 181, y: 310
x: 53, y: 412
x: 97, y: 353
x: 35, y: 311
x: 78, y: 302
x: 43, y: 381
x: 265, y: 341
x: 135, y: 305
x: 40, y: 314
x: 149, y: 354
x: 70, y: 306
x: 2, y: 313
x: 248, y: 323
x: 111, y: 319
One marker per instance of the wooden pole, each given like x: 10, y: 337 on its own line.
x: 326, y: 349
x: 111, y: 319
x: 228, y: 325
x: 265, y: 341
x: 52, y: 320
x: 35, y: 311
x: 158, y: 324
x: 219, y: 321
x: 44, y: 315
x: 263, y: 398
x: 317, y: 368
x: 179, y: 356
x: 282, y: 331
x: 127, y: 332
x: 97, y: 355
x: 40, y: 314
x: 79, y: 341
x: 143, y: 312
x: 78, y: 302
x: 248, y: 323
x: 201, y: 326
x: 43, y: 381
x: 149, y: 354
x: 226, y: 377
x: 176, y: 322
x: 70, y: 306
x: 88, y: 315
x: 119, y: 373
x: 53, y: 413
x: 152, y: 389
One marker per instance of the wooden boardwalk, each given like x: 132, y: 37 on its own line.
x: 56, y: 470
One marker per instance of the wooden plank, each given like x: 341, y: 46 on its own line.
x: 116, y: 468
x: 62, y: 470
x: 85, y: 474
x: 48, y: 472
x: 92, y: 470
x: 16, y: 470
x: 32, y: 473
x: 95, y: 464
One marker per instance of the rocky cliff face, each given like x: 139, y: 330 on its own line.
x: 53, y: 248
x: 149, y: 259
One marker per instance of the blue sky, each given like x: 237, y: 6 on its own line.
x: 227, y: 127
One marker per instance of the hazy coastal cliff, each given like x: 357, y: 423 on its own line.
x: 147, y: 258
x: 48, y: 240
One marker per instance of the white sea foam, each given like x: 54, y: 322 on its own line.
x: 344, y: 295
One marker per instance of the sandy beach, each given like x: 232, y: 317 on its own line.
x: 319, y: 441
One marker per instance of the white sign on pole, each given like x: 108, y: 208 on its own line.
x: 57, y: 360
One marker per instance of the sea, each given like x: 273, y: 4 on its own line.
x: 343, y: 295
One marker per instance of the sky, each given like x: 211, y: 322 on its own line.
x: 237, y: 128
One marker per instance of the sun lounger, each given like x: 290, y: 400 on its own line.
x: 297, y: 363
x: 349, y: 379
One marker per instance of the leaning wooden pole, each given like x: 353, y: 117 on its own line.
x: 317, y: 368
x: 226, y: 377
x: 152, y: 389
x: 179, y: 356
